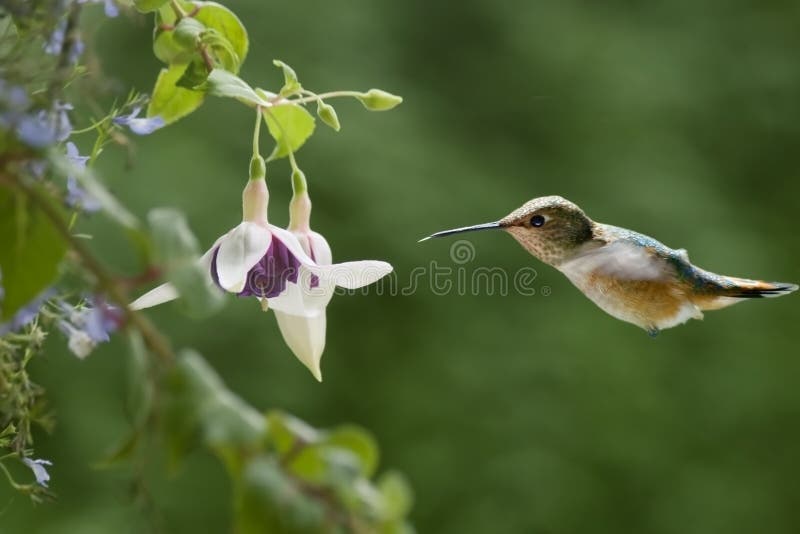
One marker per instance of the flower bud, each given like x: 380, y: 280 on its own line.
x: 328, y: 115
x: 377, y: 100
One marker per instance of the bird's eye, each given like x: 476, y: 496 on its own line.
x: 537, y: 220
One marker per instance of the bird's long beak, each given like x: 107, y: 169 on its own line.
x: 484, y: 226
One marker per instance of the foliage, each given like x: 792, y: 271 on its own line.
x: 286, y: 476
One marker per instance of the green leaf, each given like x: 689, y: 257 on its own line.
x: 187, y: 32
x: 226, y: 84
x: 290, y: 125
x: 169, y: 101
x: 286, y: 432
x: 165, y: 46
x: 267, y: 500
x: 200, y: 407
x: 328, y: 115
x: 87, y: 179
x: 146, y: 6
x: 290, y: 83
x: 397, y: 496
x: 224, y: 21
x: 177, y: 251
x: 221, y: 50
x: 140, y: 382
x: 360, y: 443
x: 195, y: 74
x: 377, y: 100
x: 31, y: 251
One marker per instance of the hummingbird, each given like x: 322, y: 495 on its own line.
x: 629, y: 275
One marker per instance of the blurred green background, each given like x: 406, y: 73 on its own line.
x: 508, y: 413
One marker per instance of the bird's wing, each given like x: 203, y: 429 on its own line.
x: 623, y: 260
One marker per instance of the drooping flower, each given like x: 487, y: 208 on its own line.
x: 269, y: 263
x: 139, y: 126
x: 39, y: 470
x: 77, y: 196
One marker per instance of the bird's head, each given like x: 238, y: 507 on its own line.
x: 551, y: 228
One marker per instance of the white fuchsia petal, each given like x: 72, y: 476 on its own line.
x: 154, y: 297
x: 301, y: 299
x: 238, y: 252
x: 352, y: 274
x: 320, y: 249
x: 167, y: 292
x: 305, y: 336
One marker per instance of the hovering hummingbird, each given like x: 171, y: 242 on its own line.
x: 628, y: 275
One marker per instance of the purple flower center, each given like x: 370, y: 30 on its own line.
x: 269, y: 276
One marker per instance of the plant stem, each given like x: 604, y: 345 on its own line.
x: 176, y: 7
x: 322, y: 96
x: 153, y: 338
x: 257, y: 132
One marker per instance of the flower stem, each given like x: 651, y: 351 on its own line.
x: 257, y: 132
x: 176, y: 7
x: 322, y: 96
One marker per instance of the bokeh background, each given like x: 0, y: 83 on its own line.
x: 513, y: 413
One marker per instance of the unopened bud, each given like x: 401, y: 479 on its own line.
x: 328, y: 115
x: 377, y: 100
x: 187, y: 32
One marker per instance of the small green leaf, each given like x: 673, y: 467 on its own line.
x: 200, y: 406
x: 377, y: 100
x: 177, y: 251
x: 221, y: 50
x: 226, y: 84
x: 218, y: 17
x: 290, y: 125
x: 286, y: 432
x: 360, y: 443
x: 140, y: 382
x: 328, y: 115
x: 187, y: 32
x: 31, y: 251
x: 397, y: 496
x: 87, y: 179
x: 169, y: 101
x: 165, y: 47
x: 194, y: 75
x: 269, y: 501
x: 290, y: 83
x: 146, y: 6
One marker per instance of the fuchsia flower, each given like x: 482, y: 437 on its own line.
x: 290, y: 272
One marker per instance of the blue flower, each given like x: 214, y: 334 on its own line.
x: 26, y: 314
x: 77, y: 196
x: 139, y: 126
x: 86, y: 327
x: 45, y: 128
x: 39, y: 470
x: 55, y: 43
x: 109, y: 6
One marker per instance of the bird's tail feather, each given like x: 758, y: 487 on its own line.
x: 743, y: 288
x: 724, y: 291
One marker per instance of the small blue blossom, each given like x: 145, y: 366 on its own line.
x: 35, y: 131
x: 86, y: 327
x: 13, y: 103
x: 26, y: 314
x: 39, y: 470
x: 55, y: 43
x: 109, y: 6
x: 45, y: 128
x: 143, y: 126
x: 77, y: 196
